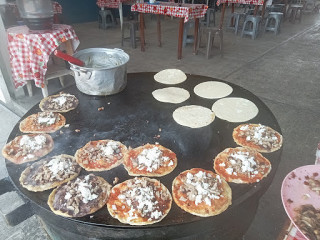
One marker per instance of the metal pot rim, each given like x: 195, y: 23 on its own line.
x: 88, y: 50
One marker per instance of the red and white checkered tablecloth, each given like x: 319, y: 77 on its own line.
x: 112, y: 3
x: 29, y: 51
x: 253, y: 2
x: 186, y: 11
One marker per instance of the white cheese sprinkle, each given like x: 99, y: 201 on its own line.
x: 60, y: 100
x: 151, y: 159
x: 34, y: 143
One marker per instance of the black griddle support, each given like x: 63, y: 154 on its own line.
x: 19, y: 214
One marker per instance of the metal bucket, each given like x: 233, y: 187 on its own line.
x: 104, y: 73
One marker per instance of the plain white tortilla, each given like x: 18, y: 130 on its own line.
x: 171, y: 95
x: 235, y: 109
x: 213, y: 89
x: 170, y: 76
x: 193, y: 116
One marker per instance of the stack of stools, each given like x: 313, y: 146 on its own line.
x: 251, y: 26
x: 106, y: 19
x: 187, y: 38
x: 273, y: 22
x: 133, y: 26
x: 234, y: 21
x: 294, y: 12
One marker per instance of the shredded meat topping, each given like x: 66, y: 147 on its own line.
x: 144, y: 198
x: 57, y: 168
x: 244, y: 162
x: 201, y: 187
x: 77, y: 197
x: 62, y: 102
x: 103, y: 150
x: 260, y: 135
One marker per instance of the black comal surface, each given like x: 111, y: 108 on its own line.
x: 135, y: 118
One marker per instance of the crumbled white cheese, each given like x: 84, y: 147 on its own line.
x: 141, y: 199
x: 55, y: 165
x: 229, y: 170
x: 244, y: 127
x: 151, y: 159
x: 47, y: 118
x: 67, y: 196
x: 114, y: 207
x: 84, y: 189
x: 110, y: 148
x: 60, y: 100
x: 204, y: 192
x: 34, y: 143
x: 247, y: 162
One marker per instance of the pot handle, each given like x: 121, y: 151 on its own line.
x: 78, y: 71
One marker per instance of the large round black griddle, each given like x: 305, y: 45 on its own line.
x: 135, y: 118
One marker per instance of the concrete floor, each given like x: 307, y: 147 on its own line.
x: 283, y: 71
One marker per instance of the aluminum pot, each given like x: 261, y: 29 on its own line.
x: 104, y: 72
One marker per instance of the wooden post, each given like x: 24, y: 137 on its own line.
x: 142, y: 32
x: 181, y: 26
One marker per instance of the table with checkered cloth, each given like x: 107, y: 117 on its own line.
x: 186, y: 11
x: 112, y: 3
x: 57, y: 8
x: 253, y: 2
x: 30, y: 50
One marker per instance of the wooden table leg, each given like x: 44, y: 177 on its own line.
x: 263, y: 9
x: 181, y: 26
x: 222, y: 16
x: 196, y: 31
x: 232, y: 11
x: 256, y: 8
x: 159, y: 30
x: 142, y: 32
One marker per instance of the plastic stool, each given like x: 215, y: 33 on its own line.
x: 276, y: 17
x: 207, y: 18
x: 187, y: 38
x: 210, y: 33
x: 133, y: 27
x: 106, y: 19
x: 234, y: 21
x: 247, y: 30
x: 295, y: 12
